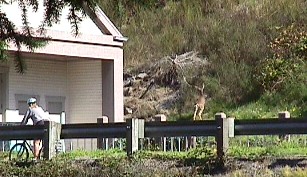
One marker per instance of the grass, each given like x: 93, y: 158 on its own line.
x: 113, y: 153
x: 250, y: 148
x: 258, y: 110
x: 234, y: 36
x: 254, y: 110
x: 266, y: 152
x: 261, y: 146
x: 195, y: 162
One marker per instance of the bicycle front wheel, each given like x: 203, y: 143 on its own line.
x: 19, y: 152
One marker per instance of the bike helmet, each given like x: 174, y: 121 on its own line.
x: 31, y: 101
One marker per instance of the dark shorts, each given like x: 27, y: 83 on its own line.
x: 41, y: 122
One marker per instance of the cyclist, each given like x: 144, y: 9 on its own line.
x: 38, y: 116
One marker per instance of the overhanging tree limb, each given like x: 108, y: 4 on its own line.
x: 25, y: 36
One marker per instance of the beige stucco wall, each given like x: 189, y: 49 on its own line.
x: 79, y: 81
x: 45, y: 77
x: 84, y: 91
x: 85, y: 97
x: 112, y: 59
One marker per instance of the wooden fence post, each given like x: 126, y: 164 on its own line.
x: 222, y: 135
x: 135, y: 130
x: 102, y: 143
x: 52, y: 132
x: 281, y: 116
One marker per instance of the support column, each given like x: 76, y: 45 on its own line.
x: 112, y: 90
x: 118, y: 87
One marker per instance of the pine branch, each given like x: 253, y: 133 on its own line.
x: 20, y: 64
x: 9, y: 34
x: 26, y: 37
x: 33, y: 4
x: 3, y: 49
x: 74, y: 20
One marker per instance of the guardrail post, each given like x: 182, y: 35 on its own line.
x: 135, y: 130
x: 231, y: 127
x: 281, y: 116
x: 52, y: 132
x: 162, y: 141
x: 102, y: 143
x: 222, y: 135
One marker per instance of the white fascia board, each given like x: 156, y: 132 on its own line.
x: 104, y: 23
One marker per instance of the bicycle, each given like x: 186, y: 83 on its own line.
x: 20, y: 151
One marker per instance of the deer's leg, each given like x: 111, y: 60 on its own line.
x: 191, y: 142
x: 195, y: 112
x: 200, y: 112
x: 194, y: 141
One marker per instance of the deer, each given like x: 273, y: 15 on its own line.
x: 178, y: 63
x: 198, y: 111
x: 200, y: 103
x: 201, y: 98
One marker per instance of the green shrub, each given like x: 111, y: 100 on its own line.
x: 276, y: 72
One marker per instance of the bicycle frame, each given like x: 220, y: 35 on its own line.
x: 22, y: 151
x: 25, y: 142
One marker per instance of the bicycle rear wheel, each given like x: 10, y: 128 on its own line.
x: 19, y: 152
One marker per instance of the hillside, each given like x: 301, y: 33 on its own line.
x: 256, y: 54
x: 156, y: 89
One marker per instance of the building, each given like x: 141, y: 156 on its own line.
x: 81, y: 76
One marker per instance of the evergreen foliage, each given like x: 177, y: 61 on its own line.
x: 26, y: 36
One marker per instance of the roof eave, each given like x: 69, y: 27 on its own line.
x: 104, y: 23
x: 120, y: 38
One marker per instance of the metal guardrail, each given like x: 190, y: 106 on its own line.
x: 93, y: 130
x: 221, y: 128
x: 270, y: 126
x: 180, y: 128
x: 159, y: 129
x: 18, y: 132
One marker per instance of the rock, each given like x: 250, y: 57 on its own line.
x: 142, y: 76
x: 128, y: 110
x: 128, y: 82
x: 127, y: 75
x: 160, y: 117
x: 127, y: 91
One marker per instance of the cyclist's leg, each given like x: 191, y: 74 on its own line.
x: 37, y: 143
x: 37, y: 146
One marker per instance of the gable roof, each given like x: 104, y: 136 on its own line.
x: 95, y: 23
x: 103, y: 22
